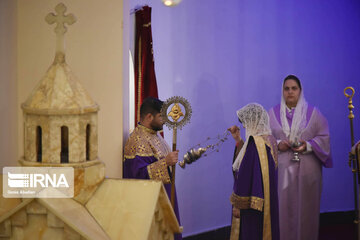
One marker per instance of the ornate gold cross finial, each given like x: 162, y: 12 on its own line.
x: 176, y: 112
x: 60, y: 19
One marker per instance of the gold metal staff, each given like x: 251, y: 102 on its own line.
x: 352, y: 161
x: 179, y: 119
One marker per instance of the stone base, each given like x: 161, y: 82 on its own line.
x: 87, y: 176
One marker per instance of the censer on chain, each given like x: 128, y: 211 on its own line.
x: 197, y: 152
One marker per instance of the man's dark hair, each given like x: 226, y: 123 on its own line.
x: 150, y: 105
x: 295, y: 78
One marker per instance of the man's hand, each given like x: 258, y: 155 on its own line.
x: 236, y: 212
x: 284, y: 145
x: 172, y: 158
x: 235, y: 133
x: 302, y: 147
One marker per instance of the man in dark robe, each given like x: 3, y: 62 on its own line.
x: 146, y: 154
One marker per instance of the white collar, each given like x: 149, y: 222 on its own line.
x: 289, y: 110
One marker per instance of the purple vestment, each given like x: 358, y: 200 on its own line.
x: 144, y: 157
x: 251, y: 186
x: 300, y: 183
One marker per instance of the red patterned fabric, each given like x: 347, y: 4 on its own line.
x: 145, y: 79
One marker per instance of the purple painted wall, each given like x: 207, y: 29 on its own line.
x: 221, y: 55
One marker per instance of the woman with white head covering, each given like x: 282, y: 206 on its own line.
x: 254, y: 196
x: 302, y: 134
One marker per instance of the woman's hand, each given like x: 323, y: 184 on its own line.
x: 302, y: 147
x: 235, y: 133
x: 284, y: 145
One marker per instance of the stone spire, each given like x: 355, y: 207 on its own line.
x: 60, y: 19
x: 59, y: 92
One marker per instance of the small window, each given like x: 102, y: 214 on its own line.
x: 88, y: 142
x: 38, y: 144
x: 64, y: 154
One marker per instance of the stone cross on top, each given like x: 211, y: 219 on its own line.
x: 60, y: 19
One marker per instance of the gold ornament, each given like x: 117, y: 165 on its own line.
x: 179, y: 119
x: 175, y: 112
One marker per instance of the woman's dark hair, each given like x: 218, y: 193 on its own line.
x: 293, y: 77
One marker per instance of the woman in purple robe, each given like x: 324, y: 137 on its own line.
x: 303, y: 142
x: 254, y: 196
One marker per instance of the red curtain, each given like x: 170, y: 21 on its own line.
x: 145, y: 79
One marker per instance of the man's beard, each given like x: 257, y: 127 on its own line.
x: 156, y: 127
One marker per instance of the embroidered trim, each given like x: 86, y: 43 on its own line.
x: 235, y: 228
x: 140, y: 155
x: 158, y: 171
x: 138, y: 97
x: 147, y: 129
x: 145, y: 142
x: 252, y: 202
x: 273, y: 148
x: 264, y: 164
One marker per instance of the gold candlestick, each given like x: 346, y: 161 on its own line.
x: 352, y: 161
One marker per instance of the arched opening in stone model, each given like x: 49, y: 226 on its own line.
x: 88, y: 142
x: 38, y: 144
x: 64, y: 155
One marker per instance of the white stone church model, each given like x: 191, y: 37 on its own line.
x: 60, y: 129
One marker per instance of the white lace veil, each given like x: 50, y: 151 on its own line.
x: 299, y: 119
x: 256, y: 122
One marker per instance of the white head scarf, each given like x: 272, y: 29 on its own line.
x: 256, y: 122
x: 299, y: 119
